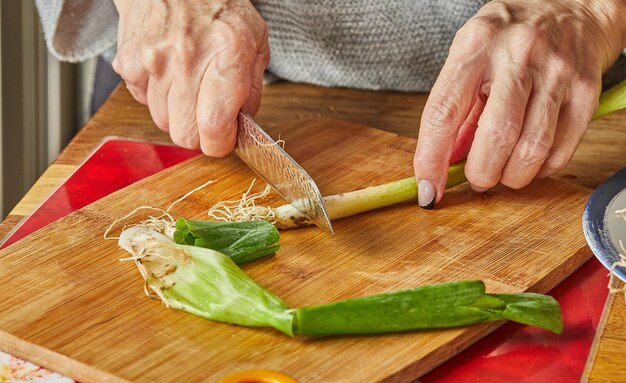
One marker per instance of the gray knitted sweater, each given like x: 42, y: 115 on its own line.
x: 371, y: 44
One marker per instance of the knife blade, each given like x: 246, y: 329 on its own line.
x: 272, y: 163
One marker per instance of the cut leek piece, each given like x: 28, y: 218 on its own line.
x: 428, y: 307
x: 203, y: 282
x: 241, y: 241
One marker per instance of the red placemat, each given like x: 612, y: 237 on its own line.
x: 114, y: 164
x: 514, y: 352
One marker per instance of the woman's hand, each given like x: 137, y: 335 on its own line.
x: 517, y: 91
x: 195, y: 64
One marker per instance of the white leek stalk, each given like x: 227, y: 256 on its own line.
x: 359, y: 201
x: 203, y: 282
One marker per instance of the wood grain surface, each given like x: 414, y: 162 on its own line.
x: 609, y: 364
x: 66, y: 295
x: 599, y: 155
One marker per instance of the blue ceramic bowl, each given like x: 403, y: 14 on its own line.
x: 603, y: 228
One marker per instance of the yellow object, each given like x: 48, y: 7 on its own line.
x: 258, y: 376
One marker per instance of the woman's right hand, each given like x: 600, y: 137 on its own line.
x: 195, y: 64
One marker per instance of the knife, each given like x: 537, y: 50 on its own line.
x: 272, y: 163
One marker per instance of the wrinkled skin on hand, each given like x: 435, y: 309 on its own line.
x: 518, y: 89
x: 195, y: 64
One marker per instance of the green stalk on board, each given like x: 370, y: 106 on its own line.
x: 209, y: 284
x: 427, y: 307
x: 240, y: 241
x: 339, y: 205
x: 359, y: 201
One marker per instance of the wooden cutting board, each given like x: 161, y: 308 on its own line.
x: 67, y: 303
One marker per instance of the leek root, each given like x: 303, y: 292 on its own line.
x: 621, y: 262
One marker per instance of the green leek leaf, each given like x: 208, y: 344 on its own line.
x: 428, y: 307
x: 533, y: 309
x: 241, y: 241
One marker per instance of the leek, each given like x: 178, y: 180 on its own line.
x: 337, y: 206
x: 435, y: 306
x: 203, y: 282
x: 240, y: 241
x: 199, y: 273
x: 209, y: 284
x: 374, y: 197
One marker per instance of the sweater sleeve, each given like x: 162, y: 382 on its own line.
x: 76, y: 30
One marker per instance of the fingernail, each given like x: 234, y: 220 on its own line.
x: 426, y: 194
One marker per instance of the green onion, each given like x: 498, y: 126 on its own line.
x: 241, y: 241
x: 209, y: 284
x: 203, y: 282
x: 612, y: 100
x: 351, y: 203
x: 436, y: 306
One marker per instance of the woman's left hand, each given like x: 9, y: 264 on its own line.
x: 517, y: 91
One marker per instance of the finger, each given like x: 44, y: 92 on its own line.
x: 253, y: 103
x: 447, y: 107
x: 136, y: 80
x: 223, y: 91
x: 536, y: 138
x: 466, y: 132
x: 498, y: 129
x: 182, y: 102
x: 128, y: 64
x: 157, y: 96
x: 574, y: 118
